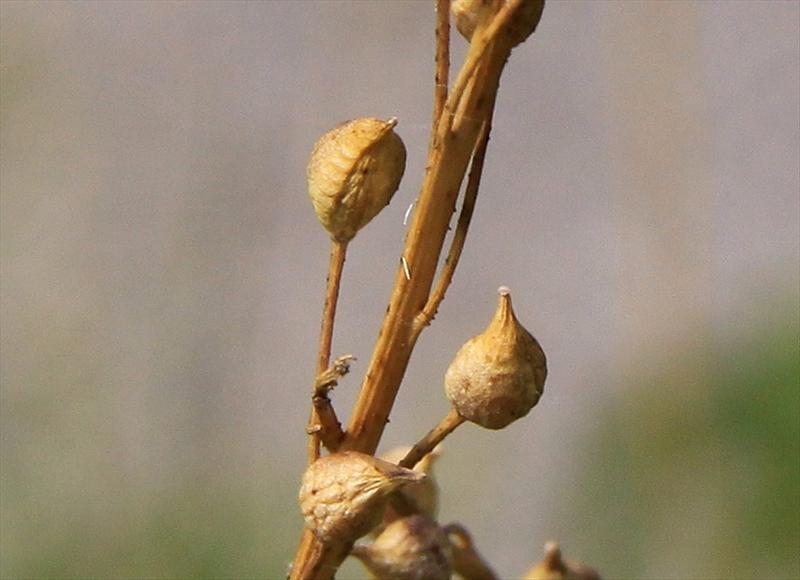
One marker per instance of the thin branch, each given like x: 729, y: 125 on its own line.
x: 432, y: 439
x: 467, y: 561
x: 457, y: 245
x: 335, y: 267
x: 442, y: 78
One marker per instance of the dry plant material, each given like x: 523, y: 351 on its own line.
x: 423, y: 494
x: 420, y: 497
x: 469, y: 14
x: 467, y: 561
x: 342, y: 495
x: 410, y: 548
x: 553, y: 567
x: 354, y: 170
x: 353, y: 173
x: 498, y: 376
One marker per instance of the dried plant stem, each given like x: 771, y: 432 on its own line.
x: 468, y: 562
x: 448, y: 162
x: 315, y: 422
x: 442, y: 78
x: 479, y: 46
x: 328, y: 429
x: 467, y: 109
x: 460, y: 236
x: 432, y: 439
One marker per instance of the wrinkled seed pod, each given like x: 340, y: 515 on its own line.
x: 411, y: 548
x: 353, y: 172
x: 497, y: 376
x: 553, y: 567
x: 468, y: 14
x: 342, y: 495
x: 425, y: 493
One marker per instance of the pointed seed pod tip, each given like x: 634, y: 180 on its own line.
x: 497, y: 376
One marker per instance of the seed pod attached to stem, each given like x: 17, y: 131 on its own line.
x: 342, y: 495
x: 353, y: 172
x: 424, y: 494
x: 411, y: 548
x: 498, y: 376
x: 471, y: 15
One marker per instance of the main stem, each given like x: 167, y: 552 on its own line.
x: 468, y: 107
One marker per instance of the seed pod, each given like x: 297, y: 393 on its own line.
x: 353, y: 172
x: 468, y: 14
x: 497, y: 376
x: 554, y: 568
x: 425, y: 493
x: 411, y: 548
x: 524, y: 22
x: 342, y: 495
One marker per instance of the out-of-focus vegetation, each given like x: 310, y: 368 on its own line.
x: 697, y: 475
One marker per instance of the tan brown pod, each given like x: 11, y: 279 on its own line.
x: 353, y: 172
x: 498, y: 376
x: 343, y: 495
x: 411, y: 548
x: 468, y: 15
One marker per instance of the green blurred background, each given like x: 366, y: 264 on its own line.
x: 162, y: 276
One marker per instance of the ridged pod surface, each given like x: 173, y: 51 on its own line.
x: 354, y: 170
x: 342, y: 495
x: 498, y: 376
x: 410, y: 548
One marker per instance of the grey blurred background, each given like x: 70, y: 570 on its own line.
x: 163, y: 272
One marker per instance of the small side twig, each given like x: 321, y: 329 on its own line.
x: 328, y: 429
x: 432, y: 439
x: 335, y: 267
x: 457, y: 245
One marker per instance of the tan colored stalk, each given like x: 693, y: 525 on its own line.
x: 432, y: 439
x: 442, y: 78
x: 467, y: 561
x: 323, y: 425
x: 457, y: 245
x: 450, y: 155
x: 456, y: 132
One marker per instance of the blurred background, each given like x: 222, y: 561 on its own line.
x: 163, y: 274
